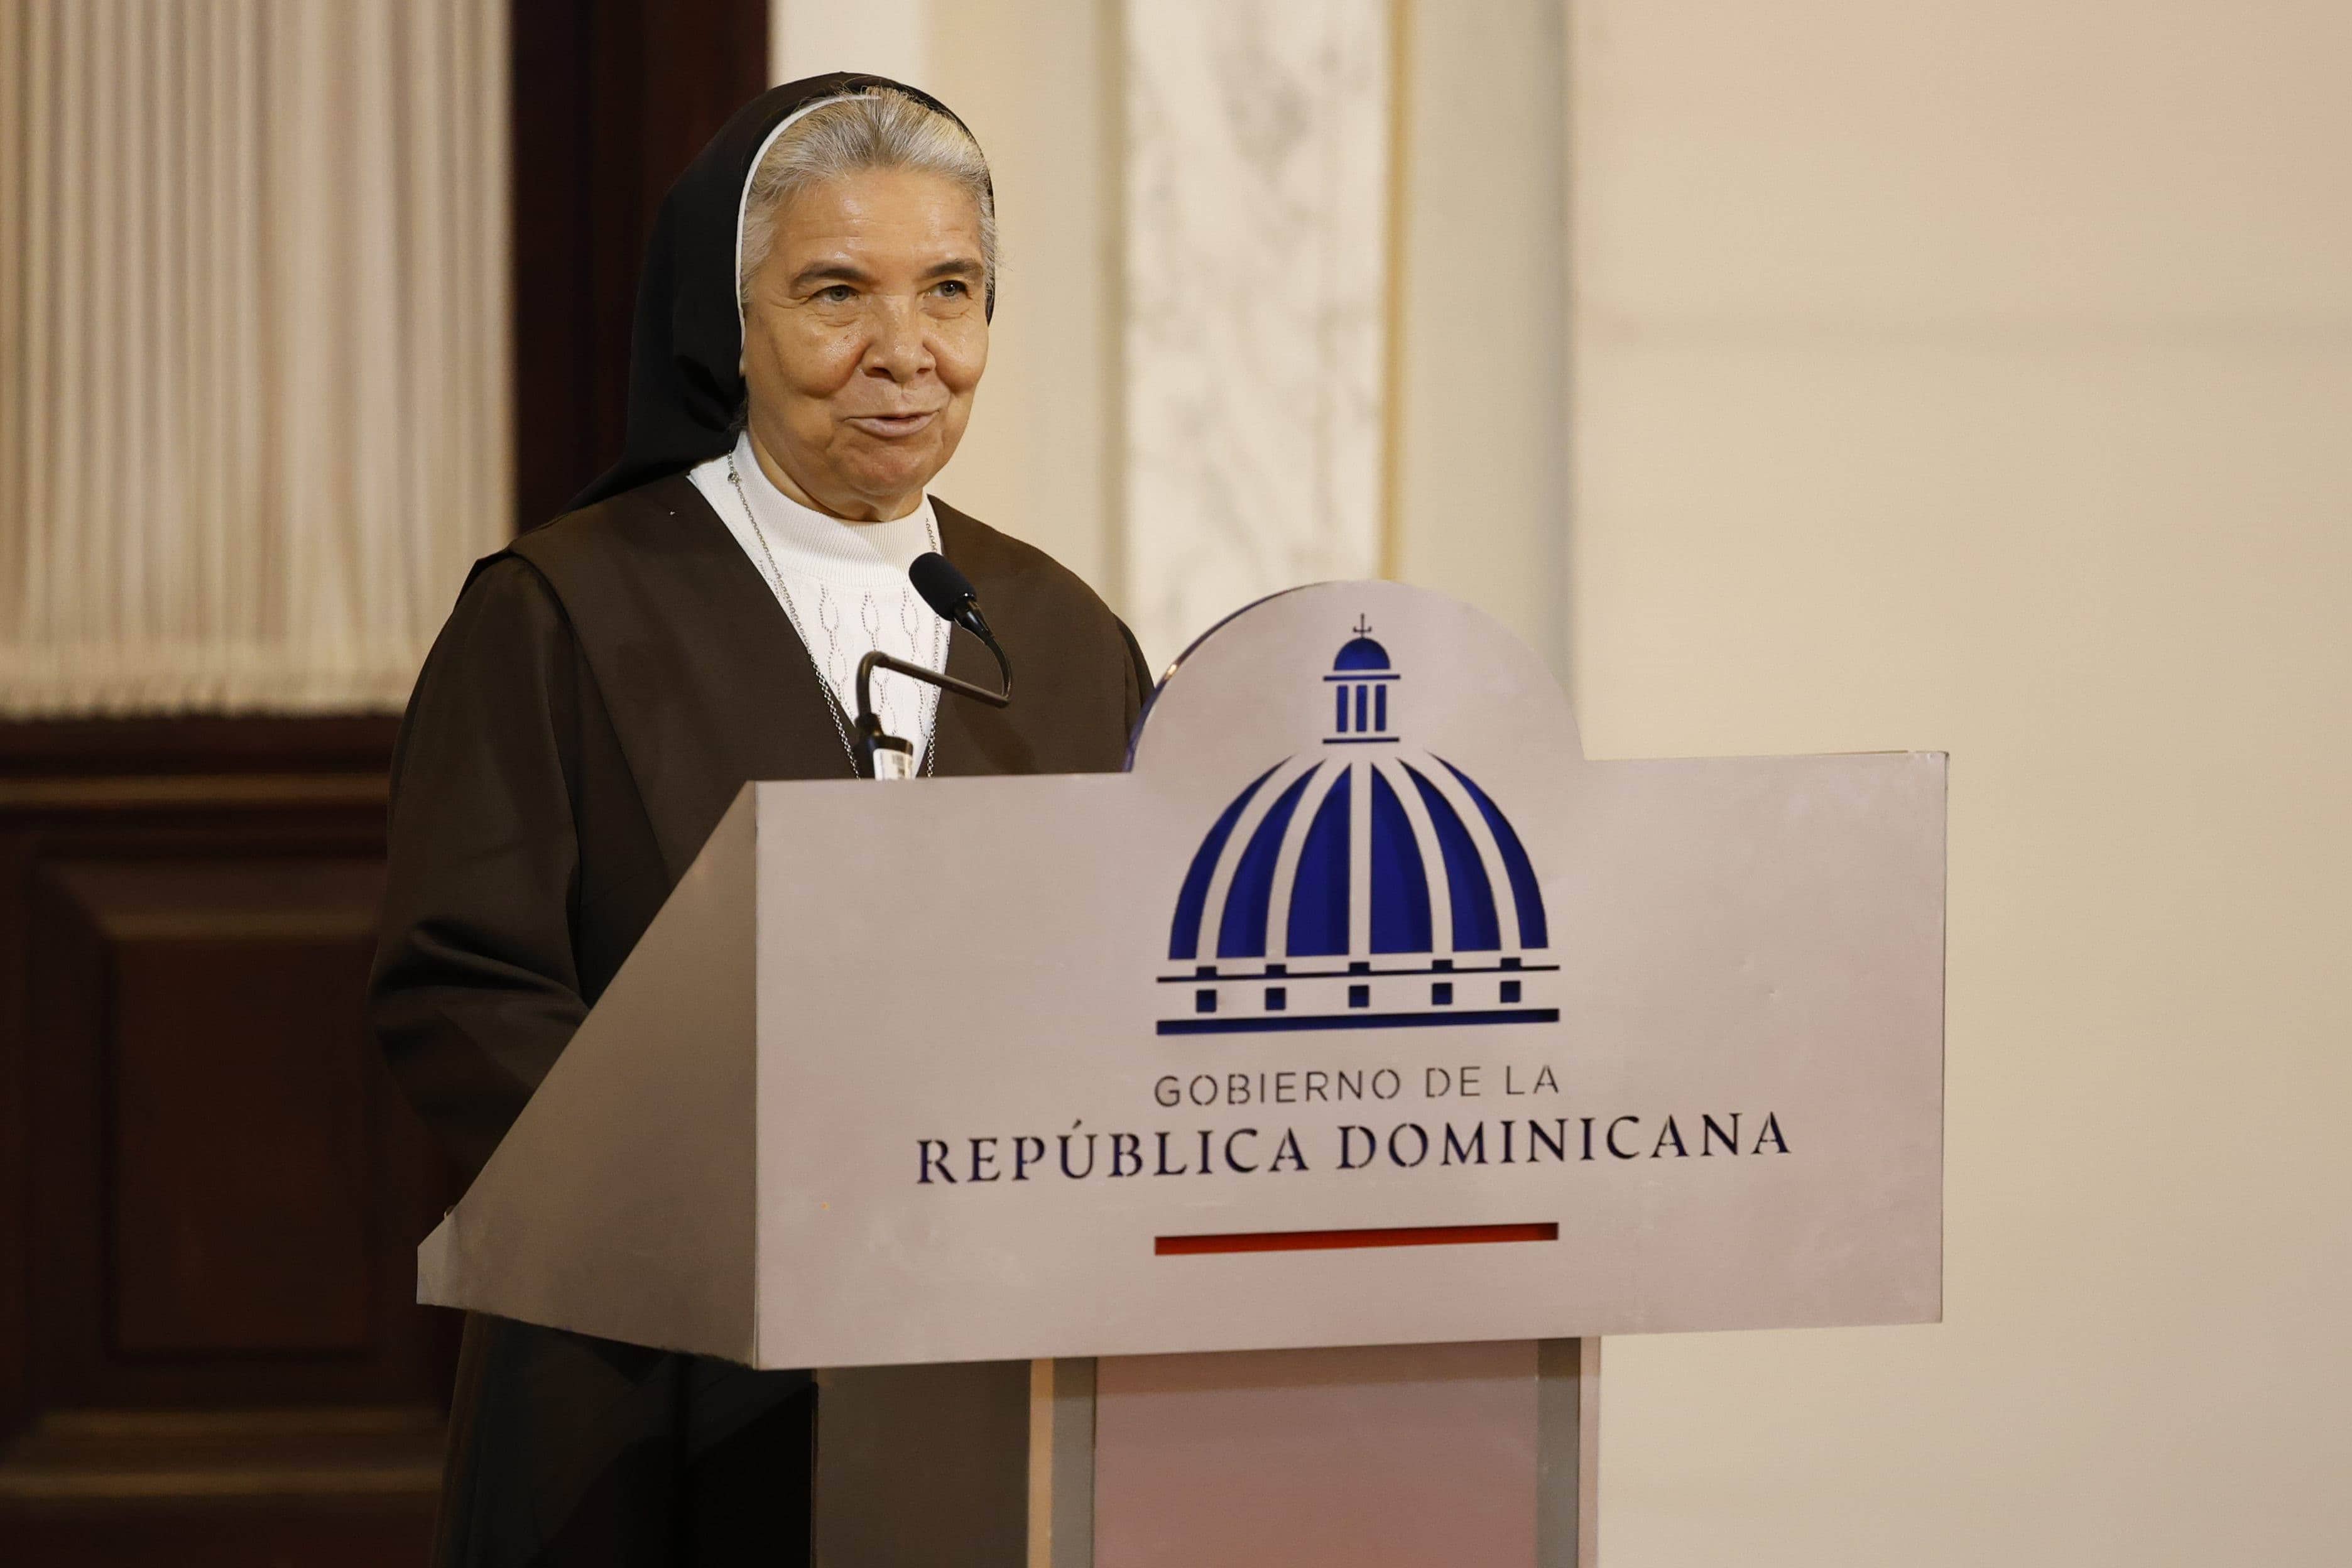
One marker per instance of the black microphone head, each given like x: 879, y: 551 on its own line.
x: 954, y: 600
x: 947, y: 591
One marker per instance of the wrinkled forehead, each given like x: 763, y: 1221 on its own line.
x: 885, y: 222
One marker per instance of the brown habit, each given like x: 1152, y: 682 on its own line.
x: 601, y: 692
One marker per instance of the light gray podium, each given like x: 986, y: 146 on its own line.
x: 1237, y: 1160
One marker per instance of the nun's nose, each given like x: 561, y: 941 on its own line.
x: 899, y: 351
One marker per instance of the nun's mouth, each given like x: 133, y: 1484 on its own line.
x: 893, y: 427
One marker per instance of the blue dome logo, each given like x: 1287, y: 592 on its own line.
x: 1358, y: 888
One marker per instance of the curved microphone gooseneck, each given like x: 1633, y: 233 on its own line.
x: 953, y: 599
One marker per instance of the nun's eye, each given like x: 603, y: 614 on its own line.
x: 837, y: 294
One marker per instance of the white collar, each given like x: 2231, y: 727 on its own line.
x: 809, y: 542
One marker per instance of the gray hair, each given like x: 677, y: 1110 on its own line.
x: 878, y: 128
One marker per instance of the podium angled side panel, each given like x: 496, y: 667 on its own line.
x: 621, y: 1203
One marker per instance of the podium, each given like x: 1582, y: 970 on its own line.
x: 1239, y: 1159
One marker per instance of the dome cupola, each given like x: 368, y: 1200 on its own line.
x: 1359, y: 680
x: 1353, y: 889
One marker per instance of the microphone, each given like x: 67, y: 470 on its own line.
x: 954, y: 600
x: 948, y: 592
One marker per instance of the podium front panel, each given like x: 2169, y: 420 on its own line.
x: 1362, y: 1010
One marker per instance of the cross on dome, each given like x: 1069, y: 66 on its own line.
x: 1360, y: 654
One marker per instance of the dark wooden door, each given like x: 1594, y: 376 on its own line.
x: 210, y: 1190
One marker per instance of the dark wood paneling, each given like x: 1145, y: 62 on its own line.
x: 354, y: 746
x: 234, y: 1055
x: 610, y: 99
x: 293, y: 1533
x: 210, y: 1190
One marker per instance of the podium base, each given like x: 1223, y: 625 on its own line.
x: 921, y: 1465
x: 1377, y: 1457
x: 1382, y: 1457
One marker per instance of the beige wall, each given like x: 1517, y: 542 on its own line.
x: 1479, y: 505
x: 1977, y: 374
x: 1030, y: 77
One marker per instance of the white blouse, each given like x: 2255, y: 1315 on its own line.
x: 844, y: 585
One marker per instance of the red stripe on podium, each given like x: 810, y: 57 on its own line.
x: 1330, y: 1240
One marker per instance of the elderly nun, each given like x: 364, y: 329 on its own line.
x: 810, y: 337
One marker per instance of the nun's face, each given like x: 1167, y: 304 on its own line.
x: 864, y: 339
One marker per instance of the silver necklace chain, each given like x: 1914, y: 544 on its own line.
x: 931, y: 699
